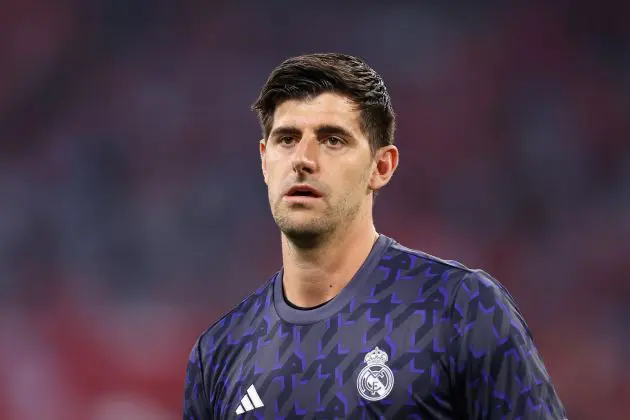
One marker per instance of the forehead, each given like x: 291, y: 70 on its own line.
x: 326, y: 108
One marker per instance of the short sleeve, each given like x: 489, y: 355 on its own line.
x: 496, y: 370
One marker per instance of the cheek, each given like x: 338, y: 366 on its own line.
x: 274, y: 175
x: 358, y: 173
x: 351, y: 181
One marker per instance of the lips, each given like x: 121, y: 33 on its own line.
x: 303, y: 190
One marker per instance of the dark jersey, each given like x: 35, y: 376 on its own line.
x: 411, y: 336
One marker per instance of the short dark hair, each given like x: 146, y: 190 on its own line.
x: 307, y: 76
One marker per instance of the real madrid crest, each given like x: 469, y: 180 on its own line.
x: 376, y: 380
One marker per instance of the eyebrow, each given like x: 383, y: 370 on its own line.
x: 326, y: 129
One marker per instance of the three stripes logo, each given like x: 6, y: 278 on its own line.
x: 250, y: 401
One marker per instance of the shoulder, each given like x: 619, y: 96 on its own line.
x: 485, y: 319
x: 479, y: 313
x: 465, y: 289
x: 237, y: 320
x: 479, y: 292
x: 400, y: 249
x: 429, y: 270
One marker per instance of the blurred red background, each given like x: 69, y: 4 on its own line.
x: 133, y: 213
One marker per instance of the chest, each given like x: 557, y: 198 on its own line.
x: 361, y: 364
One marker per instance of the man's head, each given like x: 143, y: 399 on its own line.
x: 328, y: 124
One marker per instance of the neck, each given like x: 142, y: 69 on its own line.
x: 314, y: 275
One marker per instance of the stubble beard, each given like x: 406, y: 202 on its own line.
x: 312, y: 231
x: 316, y: 230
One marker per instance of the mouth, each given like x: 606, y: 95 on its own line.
x: 303, y: 191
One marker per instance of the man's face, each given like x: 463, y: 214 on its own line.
x: 317, y: 165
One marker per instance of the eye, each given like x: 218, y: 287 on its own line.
x: 286, y: 140
x: 334, y: 141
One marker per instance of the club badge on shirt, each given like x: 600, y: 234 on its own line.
x: 376, y: 380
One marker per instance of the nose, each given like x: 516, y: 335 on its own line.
x: 304, y: 158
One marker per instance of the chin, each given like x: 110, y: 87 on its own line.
x: 303, y: 229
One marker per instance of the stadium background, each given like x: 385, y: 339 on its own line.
x: 133, y: 213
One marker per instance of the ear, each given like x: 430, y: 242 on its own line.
x: 385, y: 164
x: 263, y: 161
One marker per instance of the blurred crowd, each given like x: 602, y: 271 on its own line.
x: 133, y: 213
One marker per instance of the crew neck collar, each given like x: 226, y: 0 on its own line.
x: 294, y: 315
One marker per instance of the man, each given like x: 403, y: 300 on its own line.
x: 354, y: 325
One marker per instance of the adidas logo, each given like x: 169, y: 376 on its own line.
x: 249, y: 401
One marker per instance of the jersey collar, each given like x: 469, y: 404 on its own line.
x: 309, y: 316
